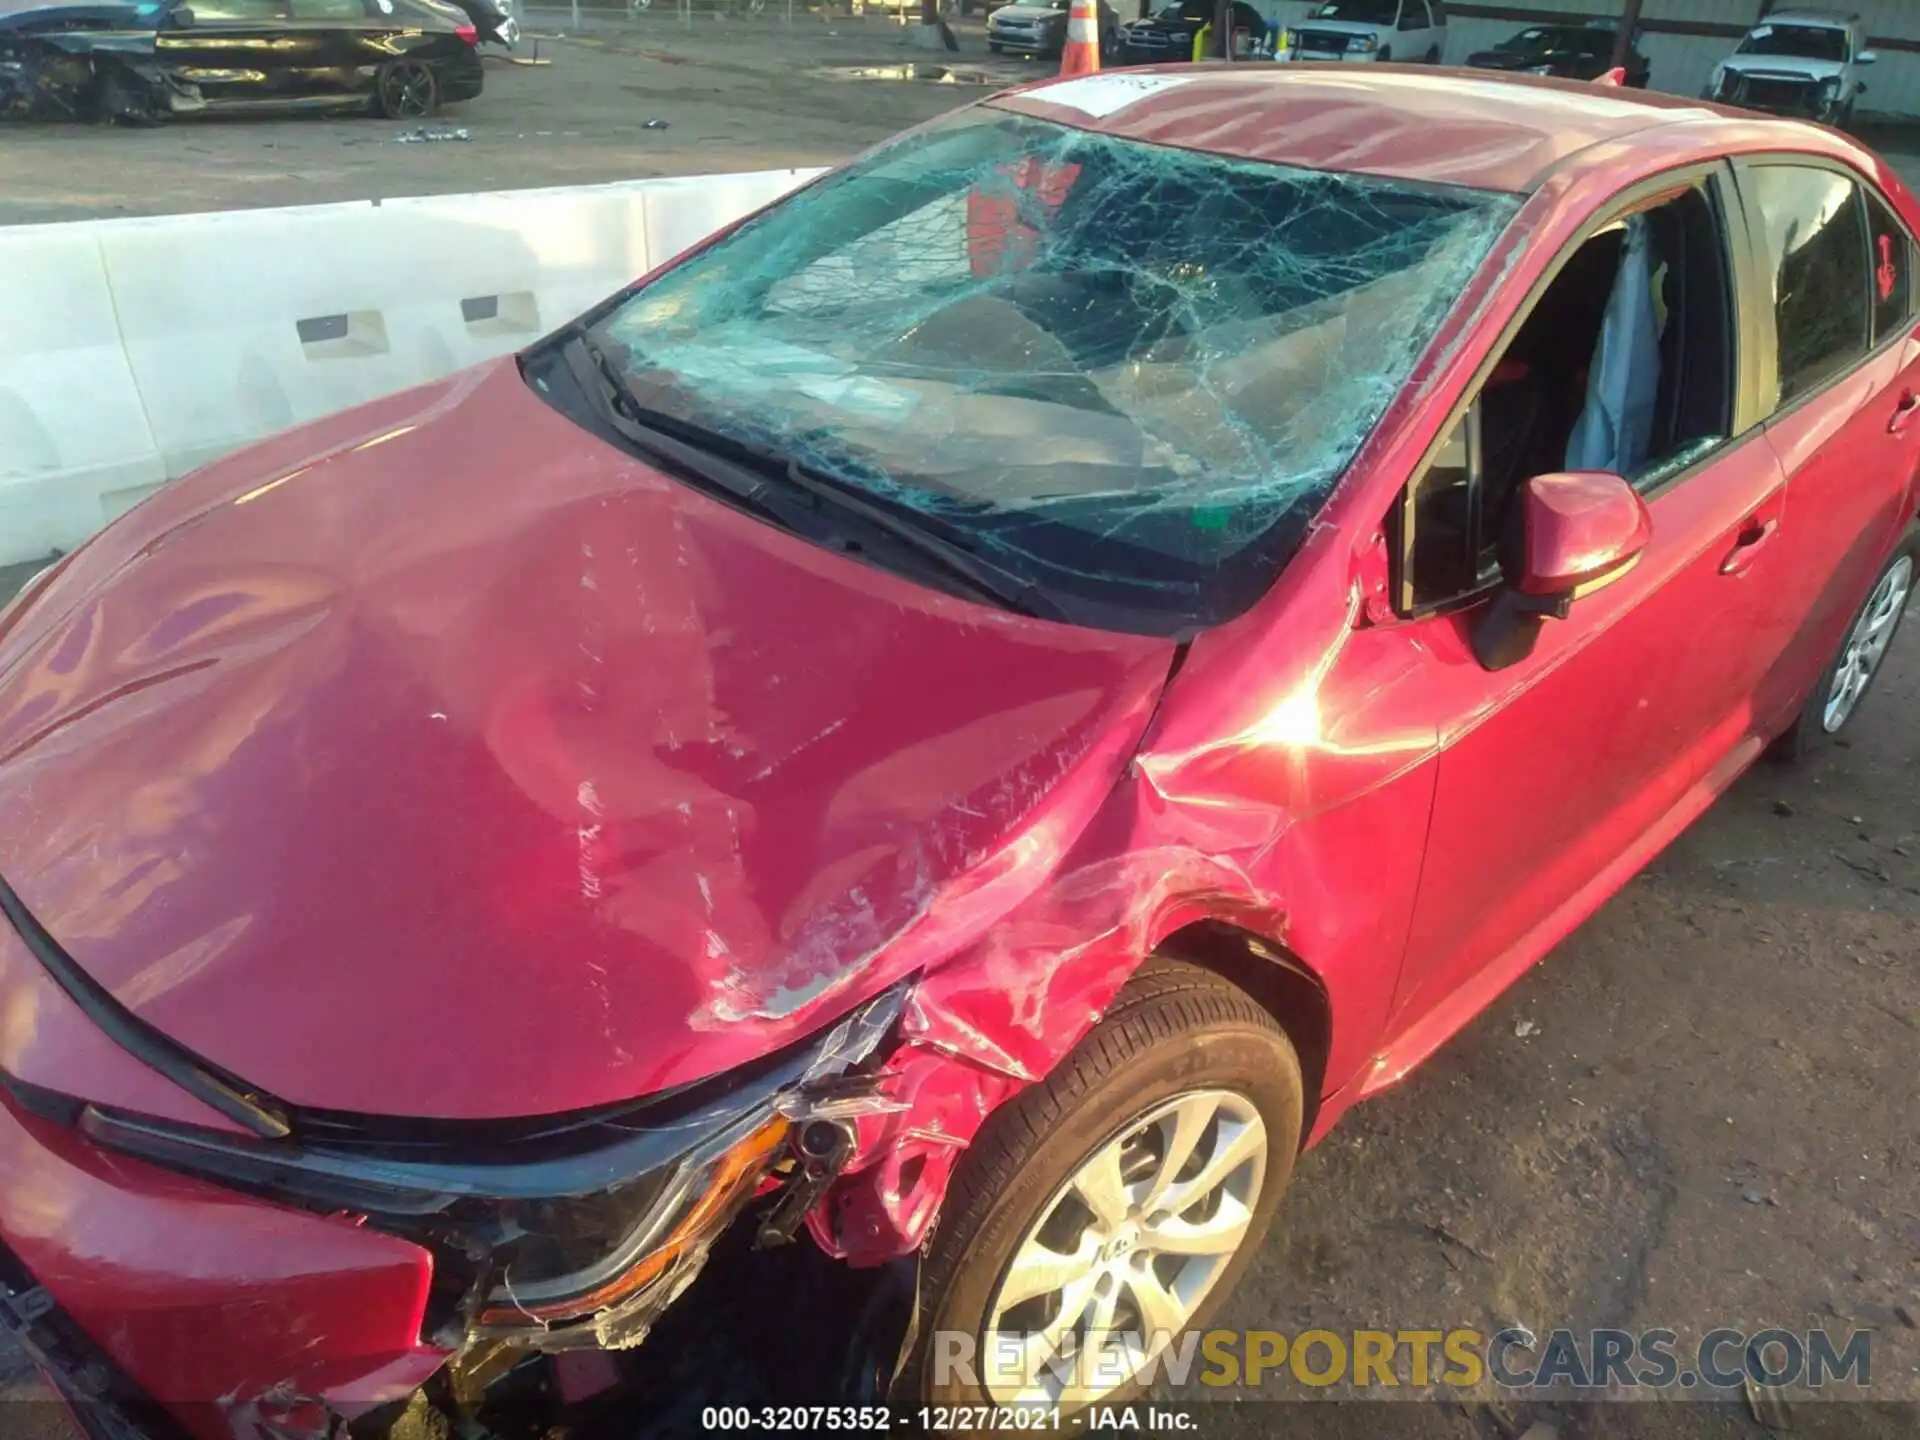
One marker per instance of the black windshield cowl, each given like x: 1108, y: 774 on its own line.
x: 771, y: 487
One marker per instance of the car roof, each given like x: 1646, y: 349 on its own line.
x: 1419, y: 123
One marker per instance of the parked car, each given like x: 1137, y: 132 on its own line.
x: 1167, y: 35
x: 143, y: 63
x: 1039, y: 27
x: 1572, y: 52
x: 1805, y: 63
x: 1346, y: 30
x: 1026, y: 738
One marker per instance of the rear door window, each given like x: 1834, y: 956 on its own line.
x: 1813, y: 237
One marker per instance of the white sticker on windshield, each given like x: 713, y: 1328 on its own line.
x: 1101, y: 95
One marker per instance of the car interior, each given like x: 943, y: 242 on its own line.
x: 1626, y: 363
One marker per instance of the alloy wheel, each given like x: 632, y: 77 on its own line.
x: 1867, y: 645
x: 408, y: 91
x: 1125, y: 1251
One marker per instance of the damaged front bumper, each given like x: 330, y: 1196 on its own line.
x: 81, y: 76
x: 286, y: 1285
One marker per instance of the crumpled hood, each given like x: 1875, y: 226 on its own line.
x: 1796, y: 65
x: 441, y: 760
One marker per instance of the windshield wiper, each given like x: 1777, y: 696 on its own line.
x: 756, y: 477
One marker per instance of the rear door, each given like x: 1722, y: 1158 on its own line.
x: 329, y: 43
x: 1843, y: 381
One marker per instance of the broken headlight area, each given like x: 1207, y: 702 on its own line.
x: 74, y: 75
x: 567, y: 1232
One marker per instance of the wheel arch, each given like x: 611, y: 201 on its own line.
x: 1284, y: 985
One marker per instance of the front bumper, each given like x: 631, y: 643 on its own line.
x: 159, y: 1304
x: 1023, y: 42
x: 102, y: 1399
x: 1327, y: 57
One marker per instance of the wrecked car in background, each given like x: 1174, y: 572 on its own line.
x: 949, y: 717
x: 143, y: 63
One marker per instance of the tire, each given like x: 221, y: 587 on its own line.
x: 1819, y: 721
x: 1177, y: 1038
x: 406, y: 90
x: 1433, y: 56
x: 1386, y: 56
x: 996, y: 48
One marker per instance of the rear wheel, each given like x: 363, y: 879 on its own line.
x: 407, y: 90
x: 1111, y: 1207
x: 1433, y: 56
x: 1844, y: 684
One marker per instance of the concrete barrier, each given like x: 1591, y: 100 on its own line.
x: 133, y: 351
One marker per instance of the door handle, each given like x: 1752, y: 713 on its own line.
x: 1747, y: 545
x: 1904, y: 412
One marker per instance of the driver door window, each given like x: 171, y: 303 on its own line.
x: 1413, y: 15
x: 238, y: 12
x: 1626, y: 363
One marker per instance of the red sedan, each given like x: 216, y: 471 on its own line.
x: 1013, y: 686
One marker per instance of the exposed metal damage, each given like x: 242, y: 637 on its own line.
x: 54, y: 68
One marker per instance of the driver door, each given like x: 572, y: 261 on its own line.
x: 234, y: 50
x: 1561, y: 774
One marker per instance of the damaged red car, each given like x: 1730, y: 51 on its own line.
x: 973, y: 715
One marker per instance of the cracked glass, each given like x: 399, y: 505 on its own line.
x: 1126, y: 374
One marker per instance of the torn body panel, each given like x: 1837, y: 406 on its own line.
x: 81, y: 76
x: 1261, y: 798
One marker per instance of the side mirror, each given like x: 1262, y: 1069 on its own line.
x: 180, y: 18
x: 1574, y: 533
x: 1867, y: 57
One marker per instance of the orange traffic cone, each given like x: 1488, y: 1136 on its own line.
x: 1616, y: 76
x: 1081, y: 54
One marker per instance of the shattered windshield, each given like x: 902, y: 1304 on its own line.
x: 1128, y: 374
x: 1809, y: 42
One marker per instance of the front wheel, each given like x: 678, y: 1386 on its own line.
x: 1106, y: 1210
x: 407, y: 90
x: 1433, y: 56
x: 1844, y: 684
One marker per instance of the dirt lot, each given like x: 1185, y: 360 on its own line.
x: 736, y: 95
x: 1698, y: 1112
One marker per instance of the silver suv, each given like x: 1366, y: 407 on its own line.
x: 1371, y: 30
x: 1806, y: 63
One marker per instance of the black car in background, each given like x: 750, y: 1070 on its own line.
x: 1167, y: 34
x: 1573, y: 52
x: 143, y: 61
x: 1039, y: 27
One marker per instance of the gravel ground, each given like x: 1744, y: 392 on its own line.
x: 1697, y: 1112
